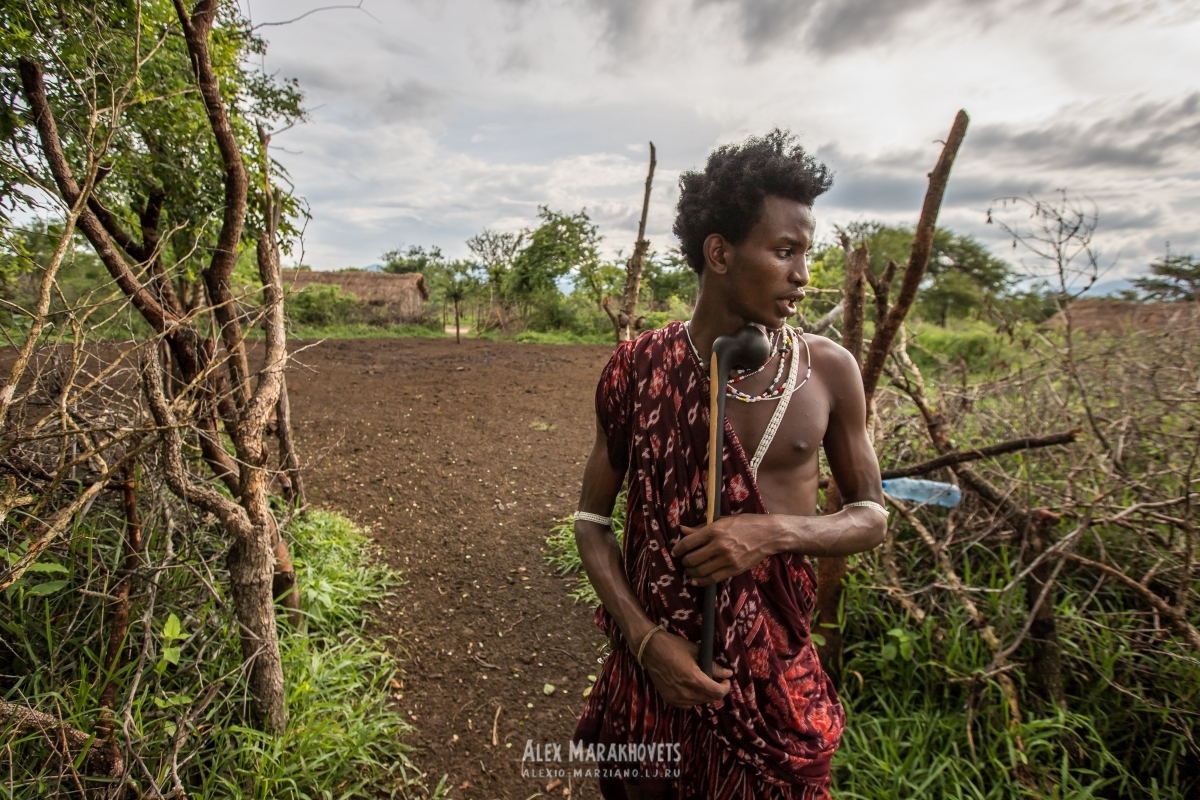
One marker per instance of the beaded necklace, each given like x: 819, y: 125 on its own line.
x: 775, y: 391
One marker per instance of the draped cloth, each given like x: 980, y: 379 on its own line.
x: 774, y: 734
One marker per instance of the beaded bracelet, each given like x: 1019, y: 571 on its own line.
x: 871, y: 504
x: 596, y: 518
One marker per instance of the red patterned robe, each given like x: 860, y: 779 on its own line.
x: 774, y: 734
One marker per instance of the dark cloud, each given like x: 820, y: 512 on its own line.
x: 848, y: 24
x: 1148, y: 135
x: 1134, y: 218
x: 763, y: 23
x: 400, y: 47
x: 409, y: 99
x: 835, y: 26
x: 624, y: 20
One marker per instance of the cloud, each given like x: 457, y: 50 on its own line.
x: 1154, y: 134
x: 856, y: 23
x: 624, y: 20
x: 432, y: 120
x: 763, y: 23
x: 839, y: 26
x: 409, y: 99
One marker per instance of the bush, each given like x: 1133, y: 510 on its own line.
x: 321, y: 306
x: 343, y: 739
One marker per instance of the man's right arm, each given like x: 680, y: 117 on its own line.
x: 670, y: 660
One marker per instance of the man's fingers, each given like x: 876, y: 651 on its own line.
x: 711, y: 570
x: 694, y: 538
x: 705, y: 552
x: 721, y: 673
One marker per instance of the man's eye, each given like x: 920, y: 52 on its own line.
x: 785, y: 253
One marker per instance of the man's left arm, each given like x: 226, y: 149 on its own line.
x: 734, y: 545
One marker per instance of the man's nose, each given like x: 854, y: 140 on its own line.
x: 800, y: 275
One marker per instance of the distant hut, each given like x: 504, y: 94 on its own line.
x: 400, y: 298
x: 1121, y: 316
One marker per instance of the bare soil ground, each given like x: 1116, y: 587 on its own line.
x: 458, y: 459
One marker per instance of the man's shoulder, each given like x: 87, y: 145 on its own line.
x: 650, y: 349
x: 832, y: 361
x: 648, y: 345
x: 667, y: 334
x: 826, y: 351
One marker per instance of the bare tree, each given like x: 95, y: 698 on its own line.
x: 214, y: 393
x: 625, y: 319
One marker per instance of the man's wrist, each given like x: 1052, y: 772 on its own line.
x: 781, y: 537
x: 637, y: 631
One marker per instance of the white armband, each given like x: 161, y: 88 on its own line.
x: 596, y: 518
x: 871, y: 504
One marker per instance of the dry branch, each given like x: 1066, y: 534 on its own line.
x: 963, y: 456
x: 1177, y: 618
x: 625, y: 319
x: 886, y: 329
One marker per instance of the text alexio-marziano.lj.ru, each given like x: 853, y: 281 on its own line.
x: 641, y: 760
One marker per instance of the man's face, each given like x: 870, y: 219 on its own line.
x: 767, y: 272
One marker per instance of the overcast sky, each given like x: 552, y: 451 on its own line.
x: 433, y: 119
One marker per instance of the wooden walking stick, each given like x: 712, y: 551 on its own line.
x: 748, y: 349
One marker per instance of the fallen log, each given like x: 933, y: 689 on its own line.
x: 102, y: 758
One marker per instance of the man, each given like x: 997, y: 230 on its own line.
x: 768, y: 722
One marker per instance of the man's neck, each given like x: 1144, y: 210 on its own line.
x: 712, y: 318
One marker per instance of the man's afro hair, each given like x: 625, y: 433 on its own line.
x: 727, y: 198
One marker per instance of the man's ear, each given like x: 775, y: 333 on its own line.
x: 716, y: 254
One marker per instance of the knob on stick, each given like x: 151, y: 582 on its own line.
x: 748, y: 349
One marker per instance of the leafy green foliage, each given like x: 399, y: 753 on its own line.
x: 667, y: 277
x: 562, y: 243
x: 156, y: 139
x: 319, y: 305
x: 413, y: 259
x: 963, y: 278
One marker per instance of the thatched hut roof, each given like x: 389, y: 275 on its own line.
x: 369, y: 287
x: 1119, y: 316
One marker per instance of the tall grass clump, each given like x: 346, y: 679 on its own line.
x: 181, y: 717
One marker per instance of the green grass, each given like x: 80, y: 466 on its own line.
x: 343, y: 738
x: 365, y: 331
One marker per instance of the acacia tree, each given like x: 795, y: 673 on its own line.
x: 1176, y: 278
x: 138, y: 120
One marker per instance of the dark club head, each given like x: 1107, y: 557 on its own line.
x: 748, y: 349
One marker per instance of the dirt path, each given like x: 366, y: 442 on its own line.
x: 458, y: 459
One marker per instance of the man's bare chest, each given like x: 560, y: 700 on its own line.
x: 797, y: 440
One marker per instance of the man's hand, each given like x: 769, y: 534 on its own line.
x: 673, y: 665
x: 728, y: 547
